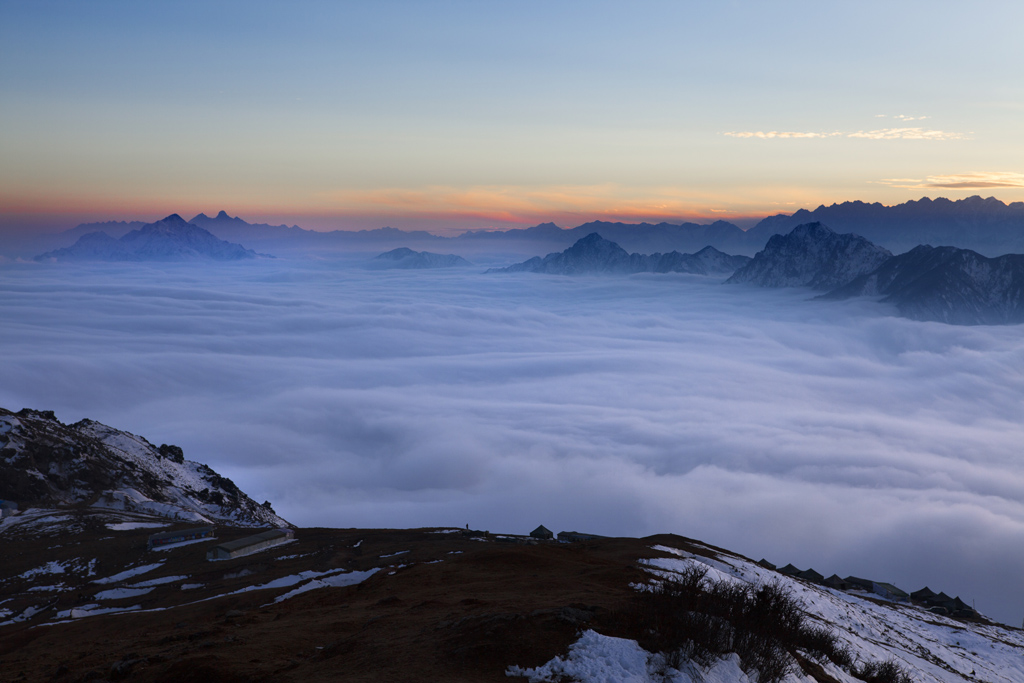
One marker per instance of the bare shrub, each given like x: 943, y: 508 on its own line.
x: 888, y: 671
x: 690, y: 617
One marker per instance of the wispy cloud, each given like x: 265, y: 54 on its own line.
x: 959, y: 181
x: 915, y: 133
x: 782, y: 134
x: 912, y: 133
x: 902, y: 117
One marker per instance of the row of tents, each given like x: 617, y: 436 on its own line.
x: 939, y: 603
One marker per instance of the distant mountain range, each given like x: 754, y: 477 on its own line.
x: 987, y: 226
x: 595, y: 255
x: 406, y: 259
x: 943, y: 284
x: 170, y: 239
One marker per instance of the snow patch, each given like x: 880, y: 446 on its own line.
x: 128, y: 526
x: 158, y: 582
x: 602, y: 659
x: 121, y: 593
x: 335, y: 581
x: 127, y: 574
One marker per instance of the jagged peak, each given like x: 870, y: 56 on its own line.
x: 173, y: 218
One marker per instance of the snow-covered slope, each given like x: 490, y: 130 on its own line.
x: 929, y: 647
x: 46, y: 464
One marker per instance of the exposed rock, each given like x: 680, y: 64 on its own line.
x: 947, y: 284
x: 45, y: 463
x: 594, y: 255
x: 813, y: 256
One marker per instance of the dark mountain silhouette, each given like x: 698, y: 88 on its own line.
x: 986, y: 225
x: 947, y: 284
x: 942, y: 284
x: 595, y: 255
x: 170, y: 239
x: 407, y: 259
x: 813, y: 256
x: 115, y: 229
x: 641, y: 237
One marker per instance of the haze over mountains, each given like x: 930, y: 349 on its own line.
x: 595, y: 255
x: 407, y: 259
x: 944, y: 284
x: 987, y: 226
x: 170, y: 239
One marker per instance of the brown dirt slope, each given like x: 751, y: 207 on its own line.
x: 441, y: 607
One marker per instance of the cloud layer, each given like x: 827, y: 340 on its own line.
x: 827, y: 435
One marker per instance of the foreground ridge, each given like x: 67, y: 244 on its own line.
x: 46, y: 464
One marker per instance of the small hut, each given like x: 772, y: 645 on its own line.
x: 165, y: 538
x: 922, y: 595
x: 835, y: 582
x: 575, y: 536
x: 810, y: 575
x: 889, y: 592
x: 542, y: 533
x: 860, y: 584
x: 250, y: 544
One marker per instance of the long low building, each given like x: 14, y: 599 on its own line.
x: 250, y: 544
x: 172, y: 537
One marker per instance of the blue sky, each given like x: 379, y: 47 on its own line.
x: 468, y: 115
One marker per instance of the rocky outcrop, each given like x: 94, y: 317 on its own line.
x: 813, y: 256
x: 45, y: 463
x: 947, y: 284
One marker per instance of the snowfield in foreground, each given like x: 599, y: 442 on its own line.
x: 930, y: 647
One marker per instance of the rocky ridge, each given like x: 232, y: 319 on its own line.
x: 946, y: 284
x: 169, y: 239
x: 594, y: 255
x: 47, y: 464
x: 943, y: 284
x: 814, y: 256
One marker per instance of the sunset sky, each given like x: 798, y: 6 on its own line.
x: 465, y: 115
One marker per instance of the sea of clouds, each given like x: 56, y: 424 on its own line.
x: 832, y: 435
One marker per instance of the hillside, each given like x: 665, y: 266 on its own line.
x: 430, y: 604
x: 424, y: 604
x: 47, y: 464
